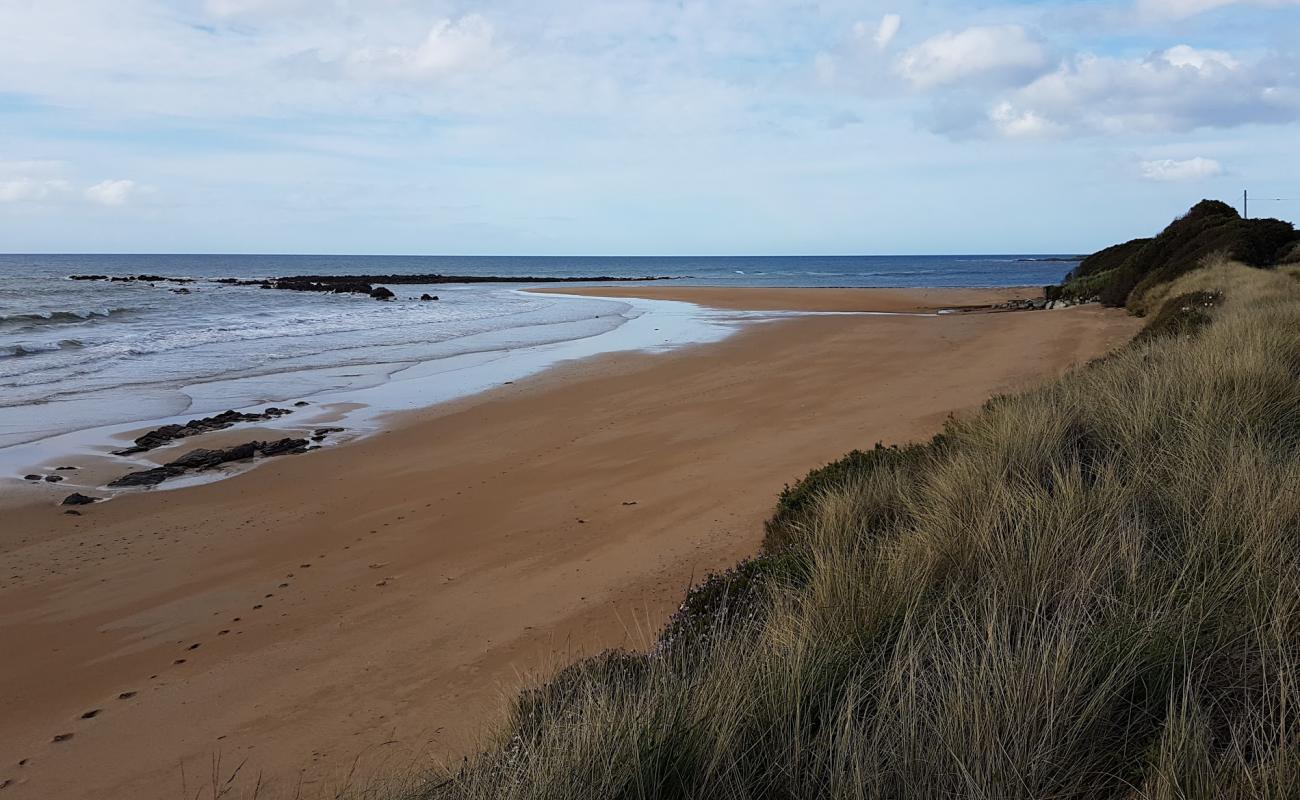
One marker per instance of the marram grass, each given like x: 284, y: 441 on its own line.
x: 1090, y: 590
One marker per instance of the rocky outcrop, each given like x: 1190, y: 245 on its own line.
x: 204, y: 459
x: 427, y: 297
x: 170, y: 433
x: 79, y: 499
x: 366, y: 284
x: 147, y: 477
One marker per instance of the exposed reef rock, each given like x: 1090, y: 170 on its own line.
x: 204, y: 459
x: 366, y: 284
x: 170, y: 433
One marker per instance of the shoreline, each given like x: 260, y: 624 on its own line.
x: 709, y: 314
x: 384, y: 591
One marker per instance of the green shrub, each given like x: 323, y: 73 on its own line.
x: 1122, y: 274
x: 1182, y: 315
x: 795, y: 502
x: 722, y: 601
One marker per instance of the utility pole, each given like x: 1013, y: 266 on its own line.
x: 1245, y: 205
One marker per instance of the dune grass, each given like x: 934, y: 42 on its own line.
x: 1087, y: 590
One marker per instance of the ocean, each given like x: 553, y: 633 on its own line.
x: 80, y: 356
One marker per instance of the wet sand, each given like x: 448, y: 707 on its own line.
x: 362, y: 606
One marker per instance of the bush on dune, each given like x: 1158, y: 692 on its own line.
x: 1122, y: 275
x: 1089, y: 590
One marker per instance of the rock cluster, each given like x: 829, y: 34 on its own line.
x: 170, y: 433
x: 204, y: 459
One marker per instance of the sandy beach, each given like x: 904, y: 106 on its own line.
x: 375, y: 603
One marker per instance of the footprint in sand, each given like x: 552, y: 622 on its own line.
x: 126, y: 695
x: 62, y: 737
x: 194, y: 646
x: 92, y: 713
x: 178, y: 661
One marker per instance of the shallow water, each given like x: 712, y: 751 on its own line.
x: 80, y: 361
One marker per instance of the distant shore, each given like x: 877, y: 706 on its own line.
x: 327, y: 605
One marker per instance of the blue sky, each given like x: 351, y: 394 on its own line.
x: 635, y: 126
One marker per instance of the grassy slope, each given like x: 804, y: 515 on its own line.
x: 1089, y: 590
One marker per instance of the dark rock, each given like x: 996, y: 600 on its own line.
x: 73, y: 512
x: 327, y: 431
x: 148, y: 477
x: 381, y: 293
x: 302, y: 403
x: 61, y: 469
x: 53, y: 478
x: 31, y: 477
x: 283, y: 447
x: 427, y: 296
x: 78, y: 499
x: 170, y: 433
x: 181, y: 290
x: 207, y: 459
x: 204, y: 459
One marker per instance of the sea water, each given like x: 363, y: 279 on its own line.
x: 78, y: 356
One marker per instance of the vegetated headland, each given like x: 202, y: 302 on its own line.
x: 1090, y: 589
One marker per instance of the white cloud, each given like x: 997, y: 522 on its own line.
x: 1179, y: 89
x: 1017, y: 124
x: 449, y: 46
x: 111, y: 192
x: 1190, y: 169
x: 1181, y: 9
x: 1186, y: 56
x: 887, y: 30
x: 16, y: 190
x: 27, y: 181
x: 1005, y: 54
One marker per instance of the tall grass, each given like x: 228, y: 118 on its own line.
x: 1088, y: 590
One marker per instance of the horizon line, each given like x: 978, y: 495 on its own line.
x: 1062, y: 254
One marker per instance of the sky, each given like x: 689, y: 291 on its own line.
x: 625, y: 127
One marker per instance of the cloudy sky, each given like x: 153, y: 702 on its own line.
x: 636, y: 126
